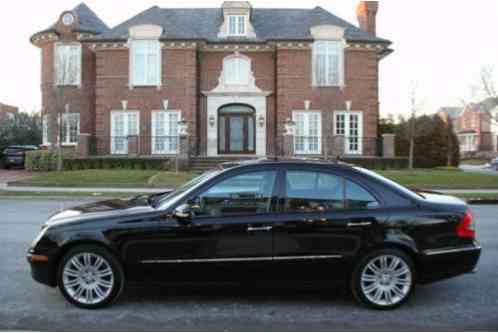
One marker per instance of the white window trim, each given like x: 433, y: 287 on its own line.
x: 66, y: 140
x: 111, y: 129
x: 131, y: 82
x: 341, y: 62
x: 320, y: 138
x: 346, y: 129
x: 45, y: 131
x: 237, y: 18
x: 80, y: 65
x: 153, y: 129
x: 239, y: 58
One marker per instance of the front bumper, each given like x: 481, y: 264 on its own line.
x: 438, y: 264
x: 42, y: 270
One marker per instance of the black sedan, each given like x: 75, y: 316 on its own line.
x: 264, y: 221
x: 14, y: 156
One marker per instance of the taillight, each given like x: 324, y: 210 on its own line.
x: 466, y: 227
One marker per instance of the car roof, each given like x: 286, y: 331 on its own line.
x: 22, y: 147
x: 285, y: 161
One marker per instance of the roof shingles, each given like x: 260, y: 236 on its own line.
x: 269, y: 24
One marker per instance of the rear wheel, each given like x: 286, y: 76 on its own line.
x: 384, y: 279
x: 90, y: 277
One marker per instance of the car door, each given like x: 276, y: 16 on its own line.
x: 325, y: 220
x: 229, y: 236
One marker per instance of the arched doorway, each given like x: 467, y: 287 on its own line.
x: 236, y: 129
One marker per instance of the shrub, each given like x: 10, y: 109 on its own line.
x: 40, y: 160
x: 116, y: 163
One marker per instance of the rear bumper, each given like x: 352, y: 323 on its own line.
x: 438, y: 264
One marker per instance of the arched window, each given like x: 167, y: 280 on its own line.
x: 236, y: 70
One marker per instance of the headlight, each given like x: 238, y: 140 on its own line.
x: 40, y: 235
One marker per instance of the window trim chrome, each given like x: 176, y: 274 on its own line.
x: 208, y: 260
x: 432, y: 252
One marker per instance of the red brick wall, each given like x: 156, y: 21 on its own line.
x: 179, y: 86
x: 294, y: 72
x: 263, y: 67
x: 80, y: 99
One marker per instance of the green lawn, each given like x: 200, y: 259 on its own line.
x: 474, y: 162
x: 430, y: 178
x: 107, y: 178
x: 419, y: 178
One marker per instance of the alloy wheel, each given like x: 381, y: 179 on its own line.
x: 88, y: 278
x: 386, y: 280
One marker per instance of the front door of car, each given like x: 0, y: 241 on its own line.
x: 228, y: 235
x: 324, y: 222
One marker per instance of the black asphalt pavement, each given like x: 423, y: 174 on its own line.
x: 469, y: 302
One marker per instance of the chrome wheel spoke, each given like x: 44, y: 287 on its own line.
x: 88, y: 278
x: 386, y: 280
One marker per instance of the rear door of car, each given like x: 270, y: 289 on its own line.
x: 325, y: 220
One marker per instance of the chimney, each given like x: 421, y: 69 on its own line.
x: 366, y: 12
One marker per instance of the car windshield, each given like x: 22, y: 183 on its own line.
x: 168, y: 199
x: 399, y: 187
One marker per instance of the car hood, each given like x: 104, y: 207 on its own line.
x: 99, y: 210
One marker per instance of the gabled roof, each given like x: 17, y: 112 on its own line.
x: 269, y: 24
x: 452, y: 112
x: 88, y: 21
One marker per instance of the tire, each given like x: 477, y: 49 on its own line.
x: 90, y: 277
x: 383, y: 279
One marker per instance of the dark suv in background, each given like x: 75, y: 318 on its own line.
x: 14, y: 156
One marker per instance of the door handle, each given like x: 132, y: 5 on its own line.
x: 267, y: 228
x: 359, y: 224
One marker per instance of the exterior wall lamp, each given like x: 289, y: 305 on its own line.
x: 182, y: 127
x: 289, y: 126
x: 211, y: 121
x: 261, y: 121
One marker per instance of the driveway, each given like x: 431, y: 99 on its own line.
x: 13, y: 175
x: 469, y: 302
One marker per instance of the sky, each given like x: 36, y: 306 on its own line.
x: 439, y: 46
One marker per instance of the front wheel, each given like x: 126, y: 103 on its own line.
x: 383, y: 279
x: 90, y: 277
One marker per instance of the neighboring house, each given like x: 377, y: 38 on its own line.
x: 477, y: 127
x: 235, y: 74
x: 450, y: 113
x: 7, y: 111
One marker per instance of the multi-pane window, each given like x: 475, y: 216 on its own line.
x: 236, y: 70
x: 328, y: 63
x: 236, y: 25
x: 70, y: 130
x: 145, y: 63
x: 165, y: 132
x: 350, y: 125
x: 123, y: 125
x: 308, y: 134
x: 68, y: 64
x: 244, y: 194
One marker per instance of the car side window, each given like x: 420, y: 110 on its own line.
x: 310, y: 191
x: 248, y: 193
x: 359, y: 198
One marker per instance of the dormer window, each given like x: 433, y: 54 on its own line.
x: 236, y: 25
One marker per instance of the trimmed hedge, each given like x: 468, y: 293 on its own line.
x: 40, y: 160
x: 117, y: 163
x: 378, y: 163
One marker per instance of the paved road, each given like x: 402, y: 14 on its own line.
x: 469, y: 302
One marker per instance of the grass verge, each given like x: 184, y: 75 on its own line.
x: 442, y: 179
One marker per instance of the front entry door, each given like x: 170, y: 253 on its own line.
x: 236, y: 130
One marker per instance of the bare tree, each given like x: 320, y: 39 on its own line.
x: 414, y: 104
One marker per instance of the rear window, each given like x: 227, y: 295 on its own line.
x: 389, y: 182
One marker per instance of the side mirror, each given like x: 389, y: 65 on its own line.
x: 183, y: 212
